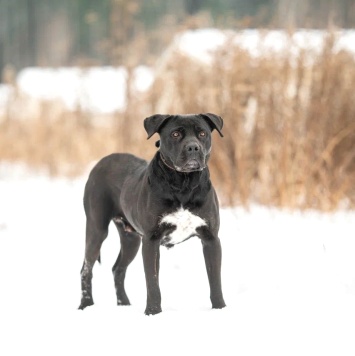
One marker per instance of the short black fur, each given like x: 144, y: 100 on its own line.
x: 137, y: 196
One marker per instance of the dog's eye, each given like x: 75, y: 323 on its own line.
x: 176, y: 134
x: 202, y: 134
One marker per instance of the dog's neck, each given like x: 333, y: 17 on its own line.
x: 165, y: 162
x: 180, y: 186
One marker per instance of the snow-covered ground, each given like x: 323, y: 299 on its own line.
x: 288, y: 280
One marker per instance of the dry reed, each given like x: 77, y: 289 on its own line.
x: 289, y: 128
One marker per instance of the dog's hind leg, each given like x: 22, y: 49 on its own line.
x: 94, y: 238
x: 130, y: 242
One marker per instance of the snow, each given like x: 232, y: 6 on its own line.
x: 288, y: 281
x: 97, y: 89
x: 288, y: 277
x: 202, y: 44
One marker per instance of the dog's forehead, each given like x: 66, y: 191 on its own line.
x: 186, y: 121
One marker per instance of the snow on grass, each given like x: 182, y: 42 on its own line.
x: 201, y: 44
x: 96, y: 90
x: 102, y: 90
x: 288, y: 281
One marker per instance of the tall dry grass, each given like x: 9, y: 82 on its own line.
x: 69, y: 144
x: 289, y: 127
x: 289, y: 124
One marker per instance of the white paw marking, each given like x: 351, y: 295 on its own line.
x: 186, y: 224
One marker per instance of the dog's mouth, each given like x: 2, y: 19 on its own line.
x: 192, y: 165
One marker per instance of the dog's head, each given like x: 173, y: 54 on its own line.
x: 185, y: 140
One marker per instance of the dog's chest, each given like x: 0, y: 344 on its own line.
x: 183, y: 225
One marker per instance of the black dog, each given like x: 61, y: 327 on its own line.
x: 164, y: 202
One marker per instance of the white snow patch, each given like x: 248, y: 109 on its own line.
x: 97, y: 90
x: 202, y: 44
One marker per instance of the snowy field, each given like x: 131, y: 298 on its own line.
x: 288, y: 280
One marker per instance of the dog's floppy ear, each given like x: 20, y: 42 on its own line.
x: 153, y: 123
x: 215, y: 121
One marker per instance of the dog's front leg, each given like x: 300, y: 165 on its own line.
x: 151, y: 256
x: 212, y: 252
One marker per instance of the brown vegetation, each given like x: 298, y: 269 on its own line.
x: 289, y: 128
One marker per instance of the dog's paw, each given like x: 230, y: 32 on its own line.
x: 123, y: 301
x: 218, y: 304
x: 85, y: 303
x: 152, y: 310
x: 121, y: 296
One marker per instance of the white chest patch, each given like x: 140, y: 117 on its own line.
x: 185, y: 224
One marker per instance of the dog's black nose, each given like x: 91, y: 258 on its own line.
x: 192, y: 147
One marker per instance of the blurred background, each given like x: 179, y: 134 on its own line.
x: 77, y: 78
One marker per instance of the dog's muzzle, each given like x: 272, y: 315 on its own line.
x: 192, y: 165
